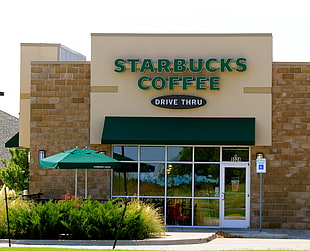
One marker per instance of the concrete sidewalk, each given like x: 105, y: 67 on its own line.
x: 191, y: 239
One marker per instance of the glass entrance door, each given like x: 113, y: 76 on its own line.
x: 235, y: 195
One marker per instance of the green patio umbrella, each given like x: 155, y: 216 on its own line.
x: 77, y: 158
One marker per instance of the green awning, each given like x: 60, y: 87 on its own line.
x: 13, y: 142
x: 178, y: 131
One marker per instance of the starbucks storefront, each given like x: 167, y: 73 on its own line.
x: 198, y: 185
x: 181, y: 112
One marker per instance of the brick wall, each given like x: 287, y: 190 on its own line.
x: 60, y: 121
x: 286, y: 185
x: 60, y: 110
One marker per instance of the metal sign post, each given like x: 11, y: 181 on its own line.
x: 260, y: 168
x: 7, y: 215
x: 260, y: 201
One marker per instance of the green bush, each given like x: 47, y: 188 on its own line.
x: 89, y: 219
x: 14, y: 204
x: 16, y: 174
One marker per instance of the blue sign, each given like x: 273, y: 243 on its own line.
x: 261, y: 165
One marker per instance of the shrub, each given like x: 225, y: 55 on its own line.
x: 16, y: 174
x: 76, y: 219
x: 14, y: 204
x: 141, y: 221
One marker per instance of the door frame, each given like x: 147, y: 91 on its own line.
x: 235, y: 223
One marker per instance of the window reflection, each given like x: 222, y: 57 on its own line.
x: 152, y: 153
x: 125, y: 153
x: 207, y: 180
x: 176, y: 153
x: 179, y: 212
x: 125, y: 181
x: 235, y: 197
x: 207, y: 154
x: 206, y: 213
x: 179, y: 181
x: 152, y: 179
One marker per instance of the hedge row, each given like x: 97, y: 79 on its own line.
x: 83, y: 220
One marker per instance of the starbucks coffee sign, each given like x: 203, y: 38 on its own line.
x: 167, y: 72
x: 179, y: 74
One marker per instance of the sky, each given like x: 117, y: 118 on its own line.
x: 71, y: 22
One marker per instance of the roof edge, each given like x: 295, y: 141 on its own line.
x: 185, y: 34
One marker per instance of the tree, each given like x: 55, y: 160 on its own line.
x: 16, y: 174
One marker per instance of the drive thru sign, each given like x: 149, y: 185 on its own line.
x: 261, y: 165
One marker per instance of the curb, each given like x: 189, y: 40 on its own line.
x: 260, y: 235
x: 265, y: 236
x: 153, y: 241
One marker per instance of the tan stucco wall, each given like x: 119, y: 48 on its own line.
x: 242, y: 94
x: 36, y: 52
x: 30, y: 52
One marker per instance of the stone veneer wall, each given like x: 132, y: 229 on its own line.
x: 60, y: 111
x: 60, y: 121
x: 286, y: 185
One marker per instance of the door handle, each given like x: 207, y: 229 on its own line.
x: 222, y: 196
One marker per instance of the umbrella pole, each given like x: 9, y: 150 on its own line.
x: 86, y: 183
x: 75, y: 186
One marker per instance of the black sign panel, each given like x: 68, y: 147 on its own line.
x: 178, y: 102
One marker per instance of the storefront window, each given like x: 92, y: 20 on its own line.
x: 125, y: 180
x: 207, y: 180
x: 152, y: 179
x: 179, y: 180
x: 183, y: 181
x: 206, y: 213
x: 177, y: 153
x: 207, y: 154
x: 125, y: 153
x: 152, y: 153
x: 179, y: 212
x: 235, y: 154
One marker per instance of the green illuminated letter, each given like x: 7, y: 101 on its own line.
x: 186, y: 82
x: 179, y: 65
x: 225, y: 65
x: 163, y: 65
x: 200, y: 80
x: 214, y: 83
x: 147, y: 65
x: 194, y: 68
x: 133, y: 64
x: 241, y: 63
x: 159, y: 83
x: 173, y: 80
x: 119, y: 64
x: 140, y: 83
x: 208, y: 65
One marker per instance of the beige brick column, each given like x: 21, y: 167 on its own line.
x: 286, y: 201
x: 60, y: 110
